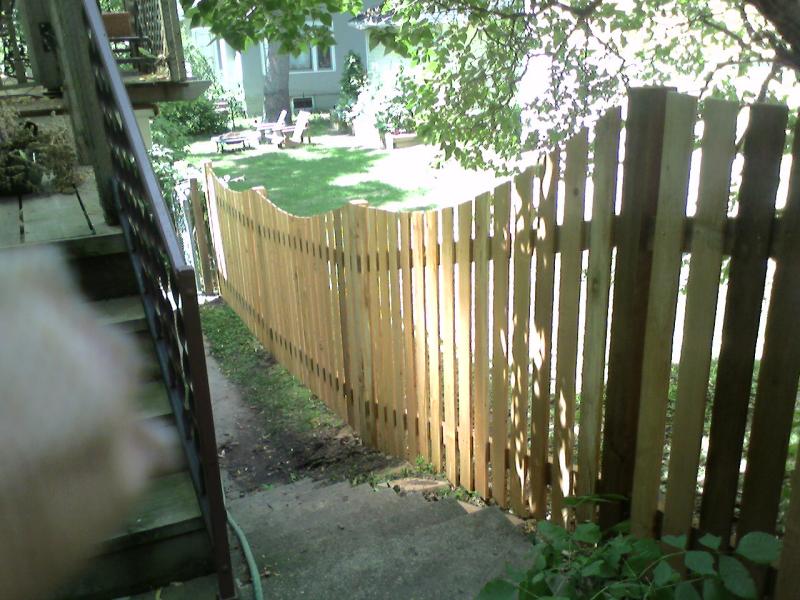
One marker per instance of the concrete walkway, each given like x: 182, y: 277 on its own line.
x: 323, y: 540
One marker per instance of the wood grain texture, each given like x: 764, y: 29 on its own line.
x: 763, y: 149
x: 396, y: 333
x: 480, y: 394
x: 664, y: 283
x: 778, y: 374
x: 520, y: 340
x: 643, y: 144
x: 464, y: 344
x: 569, y: 295
x: 501, y: 247
x: 542, y: 336
x: 409, y: 372
x: 598, y: 284
x: 418, y: 296
x: 447, y: 329
x: 702, y: 287
x: 432, y: 330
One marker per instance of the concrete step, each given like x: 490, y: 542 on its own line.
x: 453, y: 558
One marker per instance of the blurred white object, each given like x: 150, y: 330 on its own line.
x: 73, y: 456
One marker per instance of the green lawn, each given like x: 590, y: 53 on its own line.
x: 327, y: 174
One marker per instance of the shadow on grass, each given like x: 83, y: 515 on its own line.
x: 302, y: 181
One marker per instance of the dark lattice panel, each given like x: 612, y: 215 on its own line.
x: 150, y: 24
x: 167, y: 285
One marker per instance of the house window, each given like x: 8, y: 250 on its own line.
x: 304, y: 103
x: 311, y: 60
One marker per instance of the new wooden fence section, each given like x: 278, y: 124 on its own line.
x: 454, y: 334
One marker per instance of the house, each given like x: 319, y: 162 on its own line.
x: 314, y: 75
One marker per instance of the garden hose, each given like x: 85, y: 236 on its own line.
x: 255, y: 577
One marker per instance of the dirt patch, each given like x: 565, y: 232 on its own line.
x: 270, y: 429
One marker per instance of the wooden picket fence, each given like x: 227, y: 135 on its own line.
x: 433, y: 332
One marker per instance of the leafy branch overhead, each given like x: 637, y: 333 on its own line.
x: 496, y: 78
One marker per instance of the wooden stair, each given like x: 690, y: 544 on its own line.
x: 164, y: 539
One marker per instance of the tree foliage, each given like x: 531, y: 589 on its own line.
x: 505, y: 76
x: 496, y: 78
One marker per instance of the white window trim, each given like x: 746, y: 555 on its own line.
x: 315, y: 63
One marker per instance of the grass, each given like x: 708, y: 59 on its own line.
x: 264, y: 383
x: 331, y: 172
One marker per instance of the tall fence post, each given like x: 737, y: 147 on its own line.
x: 643, y: 149
x: 201, y: 235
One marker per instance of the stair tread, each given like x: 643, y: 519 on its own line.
x: 152, y: 402
x: 126, y: 312
x: 167, y: 509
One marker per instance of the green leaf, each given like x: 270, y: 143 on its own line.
x: 597, y: 568
x: 699, y: 562
x: 663, y: 574
x: 498, y: 589
x: 686, y: 591
x: 588, y: 533
x: 759, y: 547
x: 710, y: 541
x: 676, y: 541
x: 714, y: 590
x: 735, y: 577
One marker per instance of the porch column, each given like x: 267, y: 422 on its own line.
x: 36, y: 23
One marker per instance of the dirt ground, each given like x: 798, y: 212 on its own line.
x: 254, y: 453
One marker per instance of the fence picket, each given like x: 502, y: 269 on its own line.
x: 418, y: 296
x: 542, y: 335
x: 776, y: 393
x: 664, y: 284
x: 447, y: 327
x: 396, y: 333
x: 598, y: 283
x: 463, y: 343
x: 520, y: 342
x: 569, y: 294
x: 481, y: 382
x: 501, y: 246
x: 432, y: 330
x: 763, y: 149
x: 718, y: 148
x: 410, y: 373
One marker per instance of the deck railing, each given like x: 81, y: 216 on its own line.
x: 167, y: 286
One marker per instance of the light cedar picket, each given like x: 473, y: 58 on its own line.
x: 251, y: 287
x: 294, y: 306
x: 432, y: 330
x: 763, y: 150
x: 598, y: 283
x: 520, y: 342
x: 409, y: 372
x: 303, y: 293
x: 480, y: 393
x: 355, y: 319
x: 258, y: 269
x: 778, y: 374
x: 274, y: 283
x: 418, y: 296
x: 398, y: 351
x: 268, y: 279
x: 702, y: 287
x: 542, y: 333
x: 569, y: 294
x: 447, y: 323
x: 345, y: 286
x: 501, y: 247
x: 372, y: 305
x: 384, y: 383
x: 673, y: 189
x: 324, y: 309
x: 282, y: 277
x: 337, y: 325
x: 317, y: 300
x: 463, y: 343
x: 295, y: 249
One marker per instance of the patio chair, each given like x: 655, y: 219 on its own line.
x: 265, y: 127
x: 288, y: 137
x: 127, y: 45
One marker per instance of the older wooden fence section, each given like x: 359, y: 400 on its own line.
x: 433, y: 333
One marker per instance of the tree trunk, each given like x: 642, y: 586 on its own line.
x: 276, y: 84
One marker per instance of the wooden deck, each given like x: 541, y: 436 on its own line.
x: 45, y: 218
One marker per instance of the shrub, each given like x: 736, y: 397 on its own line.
x: 581, y: 564
x: 353, y: 79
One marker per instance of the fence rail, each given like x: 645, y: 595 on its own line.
x: 529, y: 355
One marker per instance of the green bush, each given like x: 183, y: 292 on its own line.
x: 582, y: 564
x: 354, y: 77
x: 201, y: 117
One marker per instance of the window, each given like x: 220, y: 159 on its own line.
x: 311, y: 60
x: 305, y: 103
